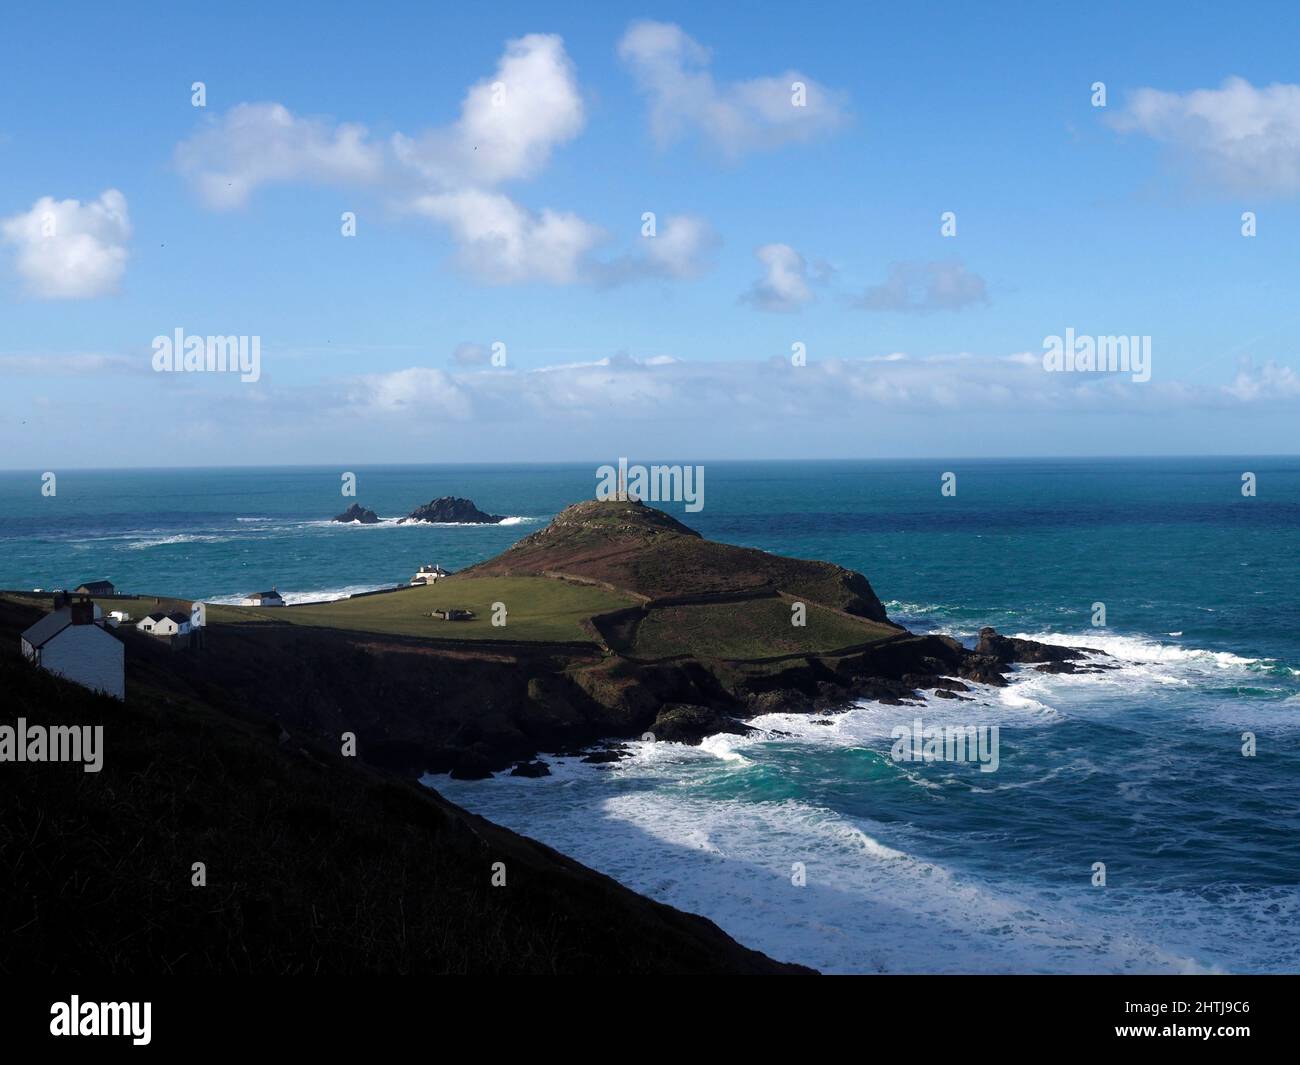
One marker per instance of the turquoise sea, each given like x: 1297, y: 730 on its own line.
x: 906, y: 867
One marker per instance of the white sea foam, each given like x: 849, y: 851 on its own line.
x: 178, y: 538
x: 328, y: 523
x: 515, y: 520
x: 1140, y: 650
x: 867, y: 906
x: 325, y: 595
x: 663, y: 823
x: 402, y: 522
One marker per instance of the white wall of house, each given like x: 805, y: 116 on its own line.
x: 87, y: 655
x: 165, y: 627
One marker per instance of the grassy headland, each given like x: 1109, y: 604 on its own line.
x: 537, y: 609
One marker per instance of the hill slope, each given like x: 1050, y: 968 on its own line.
x: 638, y: 549
x: 314, y: 864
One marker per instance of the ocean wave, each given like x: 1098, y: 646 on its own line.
x: 329, y: 523
x: 403, y: 523
x: 325, y: 595
x: 514, y: 520
x: 177, y: 538
x: 1146, y: 651
x: 866, y: 905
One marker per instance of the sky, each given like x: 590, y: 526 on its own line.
x: 556, y: 232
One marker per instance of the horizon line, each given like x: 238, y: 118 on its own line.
x: 670, y: 461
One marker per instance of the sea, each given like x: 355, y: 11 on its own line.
x: 1141, y: 819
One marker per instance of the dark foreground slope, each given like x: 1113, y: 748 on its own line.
x: 314, y: 864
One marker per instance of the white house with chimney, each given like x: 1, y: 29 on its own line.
x: 73, y: 644
x: 429, y: 574
x: 271, y: 598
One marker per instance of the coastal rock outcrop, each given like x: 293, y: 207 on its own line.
x: 357, y: 513
x: 684, y: 723
x: 1054, y: 658
x: 452, y: 510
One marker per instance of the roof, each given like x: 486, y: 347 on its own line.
x: 96, y: 585
x: 179, y: 618
x: 157, y: 615
x: 272, y: 594
x: 48, y: 627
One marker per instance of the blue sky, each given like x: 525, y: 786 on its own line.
x: 518, y: 220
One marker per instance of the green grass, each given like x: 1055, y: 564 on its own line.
x: 754, y: 628
x: 140, y: 605
x: 537, y: 608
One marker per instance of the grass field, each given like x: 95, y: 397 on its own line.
x: 536, y: 609
x: 754, y: 628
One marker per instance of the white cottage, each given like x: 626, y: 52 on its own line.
x: 429, y: 574
x: 160, y: 624
x: 271, y: 598
x: 71, y: 644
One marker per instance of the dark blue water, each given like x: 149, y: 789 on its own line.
x: 902, y: 866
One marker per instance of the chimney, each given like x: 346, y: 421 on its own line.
x: 83, y: 611
x: 60, y: 599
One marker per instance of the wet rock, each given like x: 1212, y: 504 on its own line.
x: 452, y: 509
x: 1008, y: 649
x: 685, y: 723
x: 357, y: 513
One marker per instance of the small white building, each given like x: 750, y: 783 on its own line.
x: 429, y: 574
x: 160, y: 624
x: 271, y: 598
x: 71, y: 644
x: 117, y: 617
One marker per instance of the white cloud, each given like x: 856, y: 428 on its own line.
x: 1241, y: 137
x: 509, y: 123
x: 502, y: 243
x: 683, y: 247
x: 418, y: 391
x: 666, y: 408
x: 919, y: 288
x: 1267, y: 382
x: 784, y: 284
x: 69, y: 250
x: 622, y: 389
x: 78, y: 366
x: 261, y: 144
x: 671, y: 67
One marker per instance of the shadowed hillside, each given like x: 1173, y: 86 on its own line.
x: 314, y: 863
